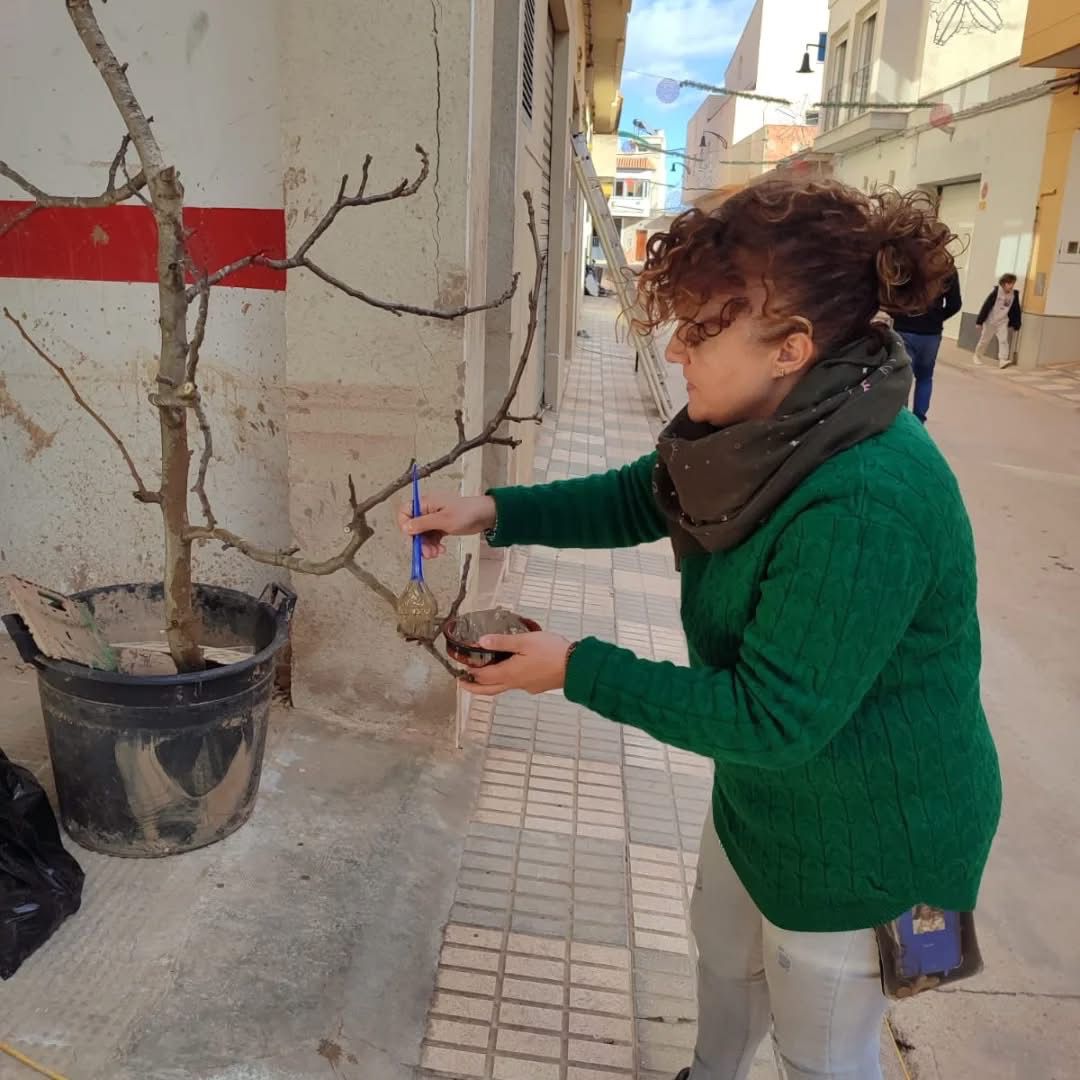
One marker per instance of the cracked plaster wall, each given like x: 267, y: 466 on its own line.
x: 368, y: 391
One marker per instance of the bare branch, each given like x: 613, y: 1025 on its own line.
x: 114, y: 75
x: 373, y: 583
x: 22, y: 215
x: 199, y: 487
x: 487, y: 432
x: 43, y: 200
x: 455, y: 607
x: 455, y: 672
x: 199, y: 335
x: 300, y: 260
x: 142, y: 493
x: 536, y: 418
x: 447, y: 314
x: 117, y: 161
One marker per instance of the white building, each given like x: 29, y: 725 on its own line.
x: 976, y: 140
x: 737, y: 138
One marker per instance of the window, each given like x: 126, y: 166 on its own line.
x: 528, y: 57
x: 831, y: 115
x: 632, y: 189
x: 859, y: 92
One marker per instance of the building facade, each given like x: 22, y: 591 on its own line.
x: 263, y: 107
x: 929, y: 96
x: 735, y: 139
x: 1052, y: 319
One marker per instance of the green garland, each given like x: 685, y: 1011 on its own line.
x: 709, y: 88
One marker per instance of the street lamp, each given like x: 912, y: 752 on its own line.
x: 716, y: 134
x: 805, y: 68
x: 677, y: 164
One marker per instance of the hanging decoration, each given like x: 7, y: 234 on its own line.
x: 954, y: 17
x: 667, y: 91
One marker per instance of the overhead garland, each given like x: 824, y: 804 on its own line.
x: 767, y: 99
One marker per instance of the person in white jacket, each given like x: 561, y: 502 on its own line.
x: 999, y: 315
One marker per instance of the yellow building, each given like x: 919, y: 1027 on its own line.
x: 1052, y: 295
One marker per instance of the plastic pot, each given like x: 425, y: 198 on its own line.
x: 153, y: 765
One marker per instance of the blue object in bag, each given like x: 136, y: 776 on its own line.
x: 930, y: 941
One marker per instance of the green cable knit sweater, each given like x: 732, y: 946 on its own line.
x: 834, y: 678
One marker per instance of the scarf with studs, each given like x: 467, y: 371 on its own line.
x: 715, y: 485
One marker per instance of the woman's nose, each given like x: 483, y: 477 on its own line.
x: 676, y: 353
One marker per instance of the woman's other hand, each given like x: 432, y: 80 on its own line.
x: 538, y: 664
x: 447, y: 515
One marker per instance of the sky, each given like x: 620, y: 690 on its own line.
x: 677, y: 39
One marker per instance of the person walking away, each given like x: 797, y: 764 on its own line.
x: 922, y: 339
x: 999, y: 314
x: 829, y: 606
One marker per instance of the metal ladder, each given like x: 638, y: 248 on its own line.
x: 648, y: 359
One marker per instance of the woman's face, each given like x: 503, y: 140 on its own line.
x: 733, y: 375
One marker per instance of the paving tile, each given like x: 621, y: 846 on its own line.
x: 458, y: 1063
x: 515, y: 1068
x: 534, y: 968
x: 473, y: 1008
x: 541, y: 993
x: 458, y: 956
x: 599, y: 1053
x: 530, y: 1016
x: 600, y: 978
x: 528, y: 1042
x: 467, y: 981
x: 458, y: 1032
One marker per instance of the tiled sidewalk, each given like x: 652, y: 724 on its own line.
x: 566, y: 956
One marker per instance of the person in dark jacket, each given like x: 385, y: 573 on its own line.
x: 922, y: 339
x: 999, y: 314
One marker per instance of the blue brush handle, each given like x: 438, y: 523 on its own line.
x: 417, y: 544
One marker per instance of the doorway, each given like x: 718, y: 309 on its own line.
x: 957, y: 207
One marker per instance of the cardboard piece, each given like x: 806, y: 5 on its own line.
x: 62, y: 628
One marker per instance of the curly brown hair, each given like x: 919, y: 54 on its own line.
x: 828, y: 256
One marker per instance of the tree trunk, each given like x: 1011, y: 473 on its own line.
x: 173, y: 397
x: 182, y: 627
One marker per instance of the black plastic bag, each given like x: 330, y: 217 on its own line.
x: 40, y: 883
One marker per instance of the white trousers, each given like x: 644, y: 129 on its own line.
x: 822, y: 991
x: 1001, y: 332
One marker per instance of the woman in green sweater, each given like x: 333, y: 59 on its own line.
x: 828, y: 601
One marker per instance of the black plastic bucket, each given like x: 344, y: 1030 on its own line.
x: 152, y: 765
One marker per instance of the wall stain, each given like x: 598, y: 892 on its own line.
x: 39, y: 438
x: 196, y: 33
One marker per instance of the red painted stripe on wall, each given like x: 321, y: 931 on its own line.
x: 119, y: 243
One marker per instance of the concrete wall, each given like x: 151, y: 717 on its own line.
x: 367, y: 390
x: 210, y: 78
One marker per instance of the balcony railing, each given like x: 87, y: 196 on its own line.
x: 830, y: 115
x: 860, y: 92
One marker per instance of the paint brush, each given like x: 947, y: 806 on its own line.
x: 417, y: 607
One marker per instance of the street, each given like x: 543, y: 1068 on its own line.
x: 1017, y: 456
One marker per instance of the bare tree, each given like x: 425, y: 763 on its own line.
x: 157, y: 184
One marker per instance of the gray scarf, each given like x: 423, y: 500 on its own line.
x: 717, y: 485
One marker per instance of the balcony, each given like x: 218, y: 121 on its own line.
x: 855, y: 124
x: 630, y: 206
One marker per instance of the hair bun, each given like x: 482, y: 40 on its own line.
x: 913, y: 261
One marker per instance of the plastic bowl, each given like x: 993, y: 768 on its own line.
x: 470, y: 654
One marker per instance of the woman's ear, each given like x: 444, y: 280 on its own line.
x: 794, y: 356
